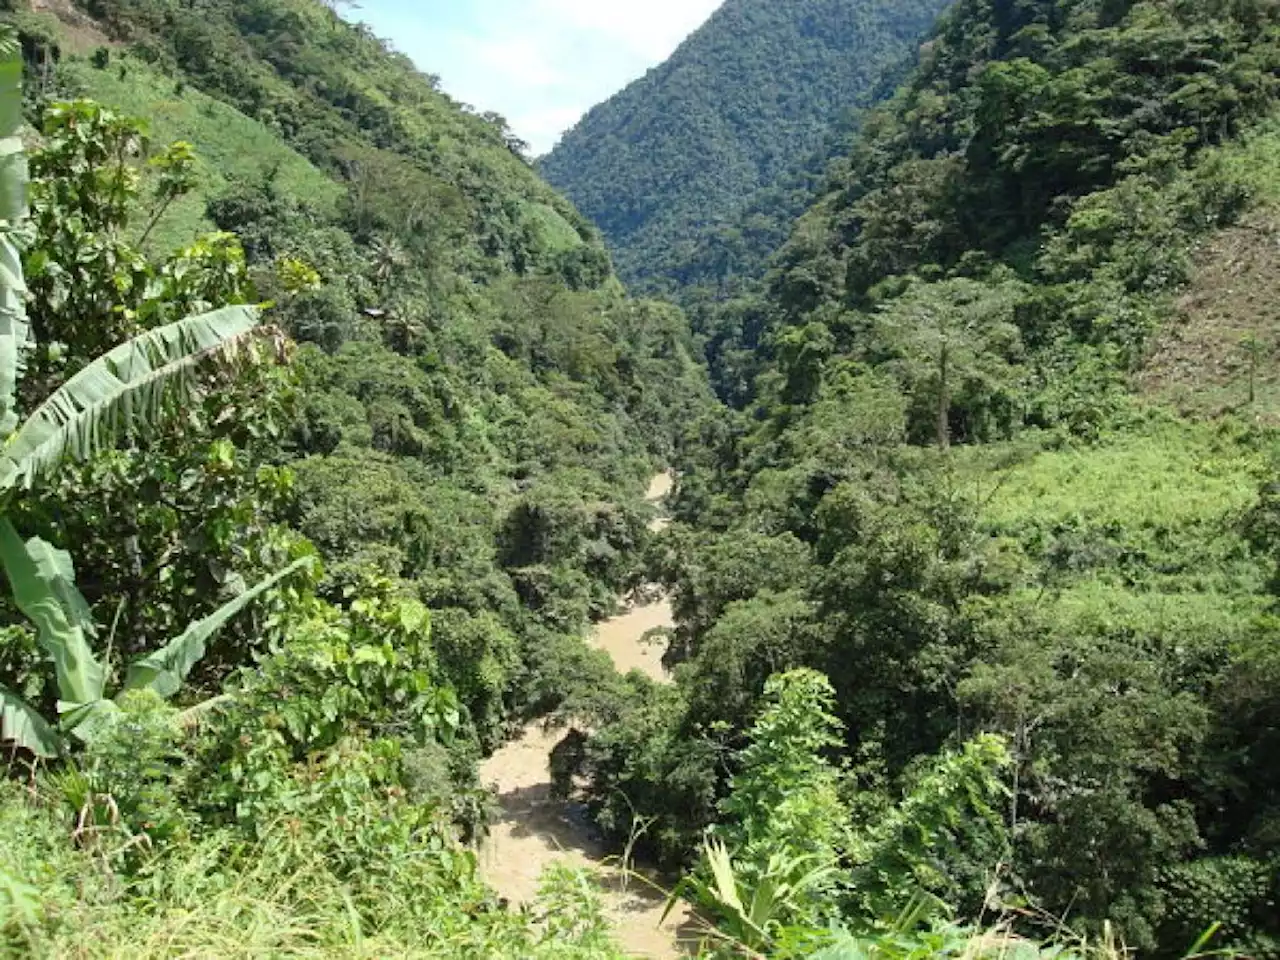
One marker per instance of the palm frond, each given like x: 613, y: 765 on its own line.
x: 164, y: 670
x: 126, y: 389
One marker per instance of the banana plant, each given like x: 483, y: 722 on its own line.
x: 750, y: 915
x: 125, y: 391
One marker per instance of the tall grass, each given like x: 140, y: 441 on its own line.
x: 220, y: 896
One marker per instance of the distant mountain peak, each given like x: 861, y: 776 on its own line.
x: 740, y: 105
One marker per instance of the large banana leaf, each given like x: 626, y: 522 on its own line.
x: 43, y: 584
x: 125, y: 389
x: 166, y: 669
x: 57, y: 570
x: 22, y: 725
x: 13, y: 208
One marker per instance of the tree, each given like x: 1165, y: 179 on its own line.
x: 121, y: 392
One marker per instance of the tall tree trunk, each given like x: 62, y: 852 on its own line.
x: 944, y: 400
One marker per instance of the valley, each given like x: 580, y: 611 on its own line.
x: 836, y: 489
x: 533, y: 830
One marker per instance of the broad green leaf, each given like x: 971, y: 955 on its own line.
x: 56, y: 568
x: 42, y: 581
x: 124, y: 390
x: 22, y: 724
x: 14, y: 330
x: 13, y: 167
x: 83, y: 720
x: 165, y: 670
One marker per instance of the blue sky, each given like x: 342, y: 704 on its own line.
x: 540, y: 63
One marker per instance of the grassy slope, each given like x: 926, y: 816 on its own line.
x: 339, y: 97
x: 230, y: 146
x: 1153, y: 511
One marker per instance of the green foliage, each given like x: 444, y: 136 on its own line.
x: 393, y: 894
x: 129, y: 388
x: 1087, y: 578
x: 477, y: 373
x: 793, y: 861
x: 370, y: 668
x: 1237, y: 893
x: 784, y: 801
x: 475, y: 354
x: 961, y: 626
x: 122, y: 391
x: 14, y: 326
x: 945, y: 838
x: 229, y: 147
x: 752, y: 914
x: 411, y: 161
x: 123, y: 786
x: 43, y: 584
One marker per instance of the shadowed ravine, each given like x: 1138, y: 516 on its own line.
x: 532, y: 831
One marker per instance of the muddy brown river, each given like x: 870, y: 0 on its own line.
x: 531, y: 831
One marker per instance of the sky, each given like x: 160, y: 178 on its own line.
x: 540, y: 63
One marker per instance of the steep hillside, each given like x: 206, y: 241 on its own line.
x: 973, y: 586
x: 1219, y: 350
x: 958, y: 488
x: 474, y: 408
x: 742, y: 104
x: 419, y: 163
x: 430, y: 454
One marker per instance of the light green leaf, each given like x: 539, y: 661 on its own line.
x: 14, y: 329
x: 20, y: 723
x: 56, y: 568
x: 717, y: 858
x: 166, y: 669
x: 42, y: 581
x: 85, y: 719
x: 124, y: 390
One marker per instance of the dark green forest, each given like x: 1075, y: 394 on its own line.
x: 328, y: 426
x: 695, y: 171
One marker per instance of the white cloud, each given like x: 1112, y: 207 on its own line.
x: 515, y: 57
x: 540, y: 63
x: 651, y: 29
x: 542, y: 128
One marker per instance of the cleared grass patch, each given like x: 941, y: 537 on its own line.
x: 1220, y: 352
x: 1161, y: 508
x: 1220, y: 349
x: 231, y: 147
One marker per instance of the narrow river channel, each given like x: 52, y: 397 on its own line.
x: 532, y: 831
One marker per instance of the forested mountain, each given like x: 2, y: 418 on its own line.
x: 743, y: 105
x: 439, y: 433
x: 1004, y: 466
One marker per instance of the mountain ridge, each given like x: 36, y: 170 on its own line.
x: 745, y: 99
